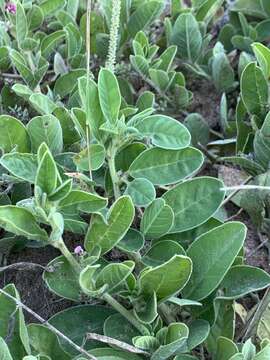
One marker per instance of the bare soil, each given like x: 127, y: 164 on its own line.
x: 206, y: 101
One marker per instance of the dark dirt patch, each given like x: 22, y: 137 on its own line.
x: 29, y: 283
x: 206, y: 101
x: 254, y: 255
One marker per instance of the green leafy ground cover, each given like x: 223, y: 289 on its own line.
x: 100, y: 148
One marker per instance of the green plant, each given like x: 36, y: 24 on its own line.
x: 240, y: 33
x: 228, y: 350
x: 189, y: 34
x: 149, y: 282
x: 160, y: 274
x: 252, y: 148
x: 159, y: 73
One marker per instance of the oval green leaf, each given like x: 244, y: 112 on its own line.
x: 46, y: 342
x: 113, y: 275
x: 63, y: 281
x: 165, y: 132
x: 133, y: 241
x: 254, y: 97
x: 141, y: 191
x: 106, y: 234
x: 47, y: 174
x: 243, y: 279
x: 194, y: 202
x: 97, y: 157
x: 118, y: 328
x: 46, y: 129
x: 109, y: 95
x: 13, y: 135
x: 161, y: 252
x: 163, y: 167
x: 187, y: 36
x: 91, y: 319
x: 167, y: 279
x: 23, y: 166
x: 20, y: 221
x: 82, y: 201
x: 157, y: 219
x: 222, y: 246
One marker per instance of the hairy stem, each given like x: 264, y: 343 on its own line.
x: 114, y: 29
x: 113, y: 173
x: 88, y: 38
x: 88, y: 151
x: 125, y: 313
x: 60, y: 245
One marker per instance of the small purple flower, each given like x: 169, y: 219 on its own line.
x: 79, y: 250
x: 11, y: 8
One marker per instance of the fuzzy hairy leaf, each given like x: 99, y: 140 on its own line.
x: 176, y: 339
x: 82, y: 201
x: 164, y: 131
x: 18, y: 342
x: 91, y: 319
x: 133, y: 241
x: 262, y: 54
x: 208, y: 9
x: 21, y: 24
x: 157, y: 219
x: 89, y: 94
x: 221, y: 245
x: 20, y: 221
x: 187, y: 36
x: 107, y: 233
x: 161, y: 252
x: 113, y: 275
x: 4, y: 351
x: 13, y: 135
x: 47, y: 174
x: 46, y: 129
x: 63, y: 281
x: 194, y: 202
x: 254, y: 97
x: 141, y: 191
x: 23, y: 166
x: 167, y: 279
x: 163, y: 167
x: 143, y: 16
x: 46, y: 342
x: 243, y: 279
x: 109, y: 95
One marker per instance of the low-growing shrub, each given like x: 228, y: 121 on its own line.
x: 160, y: 273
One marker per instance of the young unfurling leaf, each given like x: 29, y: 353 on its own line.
x: 106, y: 233
x: 47, y: 174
